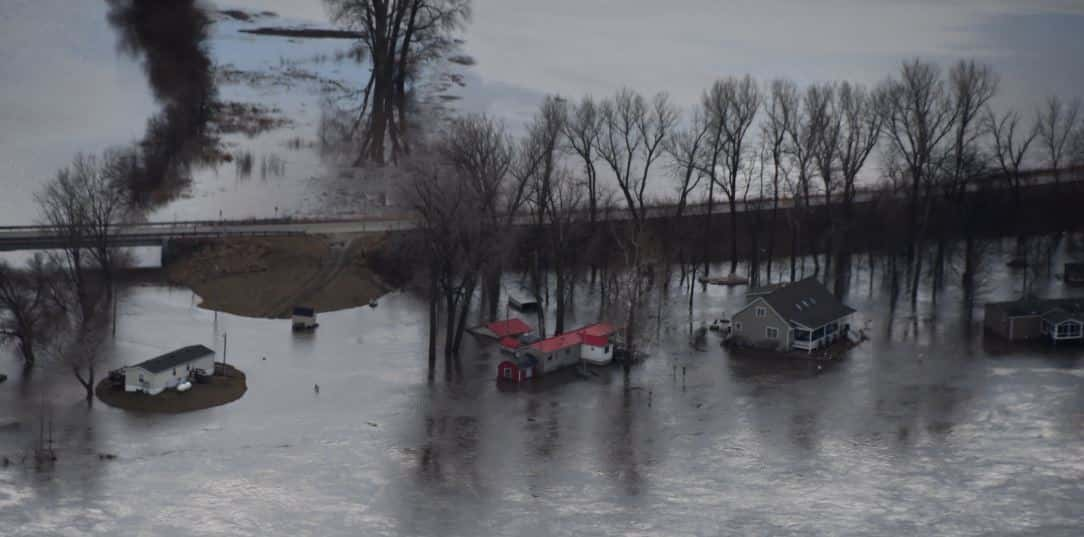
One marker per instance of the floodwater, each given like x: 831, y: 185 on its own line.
x: 926, y: 428
x: 927, y: 425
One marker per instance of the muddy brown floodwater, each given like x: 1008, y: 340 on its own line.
x: 928, y: 428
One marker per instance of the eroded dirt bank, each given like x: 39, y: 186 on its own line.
x: 267, y: 277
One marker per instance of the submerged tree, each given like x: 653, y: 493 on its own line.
x: 731, y: 106
x: 400, y: 37
x: 27, y: 307
x: 919, y: 115
x: 84, y: 204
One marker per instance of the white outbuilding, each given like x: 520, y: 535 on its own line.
x: 168, y: 370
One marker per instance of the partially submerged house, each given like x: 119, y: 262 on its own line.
x: 1033, y: 318
x: 800, y: 315
x: 591, y: 343
x: 168, y: 370
x: 304, y: 318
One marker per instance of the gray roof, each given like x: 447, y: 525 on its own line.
x: 1033, y: 306
x: 807, y: 302
x: 1058, y: 316
x: 175, y: 358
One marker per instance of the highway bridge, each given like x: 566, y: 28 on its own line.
x: 13, y: 238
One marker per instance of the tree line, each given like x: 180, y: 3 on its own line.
x: 748, y: 143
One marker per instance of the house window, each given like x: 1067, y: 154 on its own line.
x: 762, y: 312
x: 737, y: 327
x: 772, y: 332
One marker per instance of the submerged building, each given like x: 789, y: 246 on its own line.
x: 1032, y: 318
x: 168, y: 370
x: 591, y: 344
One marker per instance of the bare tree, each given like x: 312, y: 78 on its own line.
x: 919, y: 115
x: 780, y: 108
x: 448, y: 225
x: 860, y: 126
x: 1055, y: 124
x: 802, y: 140
x: 685, y: 148
x: 973, y: 85
x: 83, y: 205
x: 27, y: 307
x: 562, y: 231
x: 824, y: 123
x: 1011, y: 142
x: 400, y: 37
x: 731, y: 106
x: 582, y: 133
x: 482, y: 154
x: 631, y: 141
x: 536, y: 167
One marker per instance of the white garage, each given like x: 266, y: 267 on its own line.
x: 168, y: 370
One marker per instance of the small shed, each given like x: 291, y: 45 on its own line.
x: 597, y: 349
x: 518, y: 368
x: 304, y: 318
x: 168, y: 370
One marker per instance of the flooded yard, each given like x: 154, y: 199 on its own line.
x: 928, y: 427
x: 927, y: 424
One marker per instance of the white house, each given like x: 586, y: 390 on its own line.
x: 168, y: 370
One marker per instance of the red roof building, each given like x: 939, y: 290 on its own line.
x: 597, y: 334
x: 556, y: 343
x: 502, y: 329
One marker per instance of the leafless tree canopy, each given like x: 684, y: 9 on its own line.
x: 401, y: 36
x: 1055, y: 128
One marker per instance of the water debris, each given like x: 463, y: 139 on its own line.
x: 371, y: 424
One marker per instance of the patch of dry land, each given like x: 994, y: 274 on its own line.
x: 226, y: 385
x: 267, y: 277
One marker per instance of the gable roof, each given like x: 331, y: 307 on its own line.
x: 508, y: 327
x: 597, y: 330
x: 1031, y: 306
x: 175, y: 358
x: 1058, y: 315
x: 806, y: 302
x: 556, y: 343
